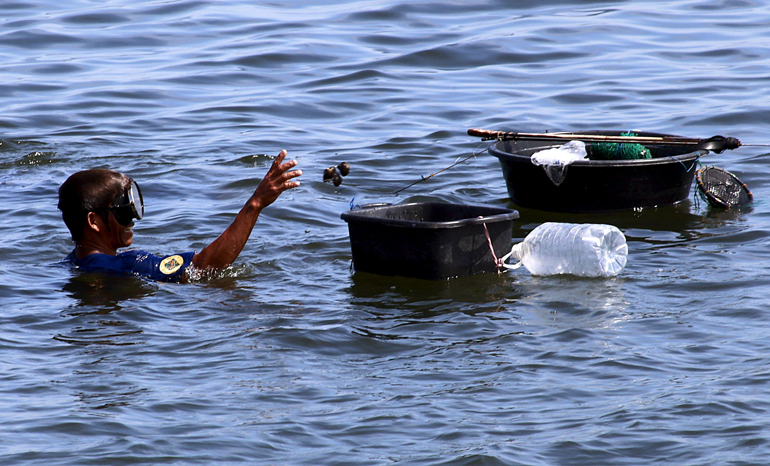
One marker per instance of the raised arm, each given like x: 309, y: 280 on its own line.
x: 225, y: 249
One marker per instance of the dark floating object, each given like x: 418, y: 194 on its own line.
x: 429, y: 240
x: 331, y: 175
x: 344, y: 168
x: 721, y: 188
x: 599, y: 185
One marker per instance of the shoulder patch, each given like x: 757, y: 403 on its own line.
x: 171, y: 264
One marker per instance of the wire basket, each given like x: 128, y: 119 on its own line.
x: 721, y: 188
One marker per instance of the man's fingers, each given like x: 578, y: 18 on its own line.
x: 292, y: 174
x: 279, y: 159
x: 286, y: 177
x: 280, y: 173
x: 288, y: 166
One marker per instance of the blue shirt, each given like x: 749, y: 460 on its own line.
x: 138, y: 263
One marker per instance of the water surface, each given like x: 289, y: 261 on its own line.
x: 292, y: 358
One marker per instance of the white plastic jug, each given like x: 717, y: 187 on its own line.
x: 585, y: 250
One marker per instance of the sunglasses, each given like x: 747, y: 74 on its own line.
x: 128, y: 205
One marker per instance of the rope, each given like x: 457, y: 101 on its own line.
x: 694, y: 162
x: 498, y: 262
x: 458, y: 162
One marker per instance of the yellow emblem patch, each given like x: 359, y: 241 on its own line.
x: 171, y: 264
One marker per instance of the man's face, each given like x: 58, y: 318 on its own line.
x: 119, y: 236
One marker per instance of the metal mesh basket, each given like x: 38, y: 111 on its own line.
x: 721, y: 188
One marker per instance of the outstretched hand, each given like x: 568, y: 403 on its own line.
x: 225, y: 249
x: 276, y: 181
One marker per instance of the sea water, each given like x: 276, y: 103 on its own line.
x: 292, y: 358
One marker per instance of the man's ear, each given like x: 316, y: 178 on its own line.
x: 94, y: 222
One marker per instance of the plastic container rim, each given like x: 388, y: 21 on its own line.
x: 500, y: 154
x: 360, y: 216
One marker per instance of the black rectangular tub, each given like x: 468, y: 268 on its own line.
x: 429, y: 240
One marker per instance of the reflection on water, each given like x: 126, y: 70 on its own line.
x: 676, y: 218
x: 113, y: 332
x: 573, y: 302
x: 686, y: 220
x: 110, y: 399
x: 101, y: 320
x: 717, y: 217
x: 104, y: 291
x: 96, y: 315
x: 427, y: 298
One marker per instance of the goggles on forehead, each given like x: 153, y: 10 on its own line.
x: 128, y: 205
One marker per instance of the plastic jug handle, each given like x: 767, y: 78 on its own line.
x: 516, y: 254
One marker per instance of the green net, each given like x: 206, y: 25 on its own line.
x: 617, y: 151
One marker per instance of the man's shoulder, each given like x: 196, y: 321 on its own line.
x: 100, y: 258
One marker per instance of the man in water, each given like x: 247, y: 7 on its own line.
x: 99, y: 207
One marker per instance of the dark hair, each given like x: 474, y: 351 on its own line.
x: 88, y: 191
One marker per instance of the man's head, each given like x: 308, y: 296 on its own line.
x: 101, y: 192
